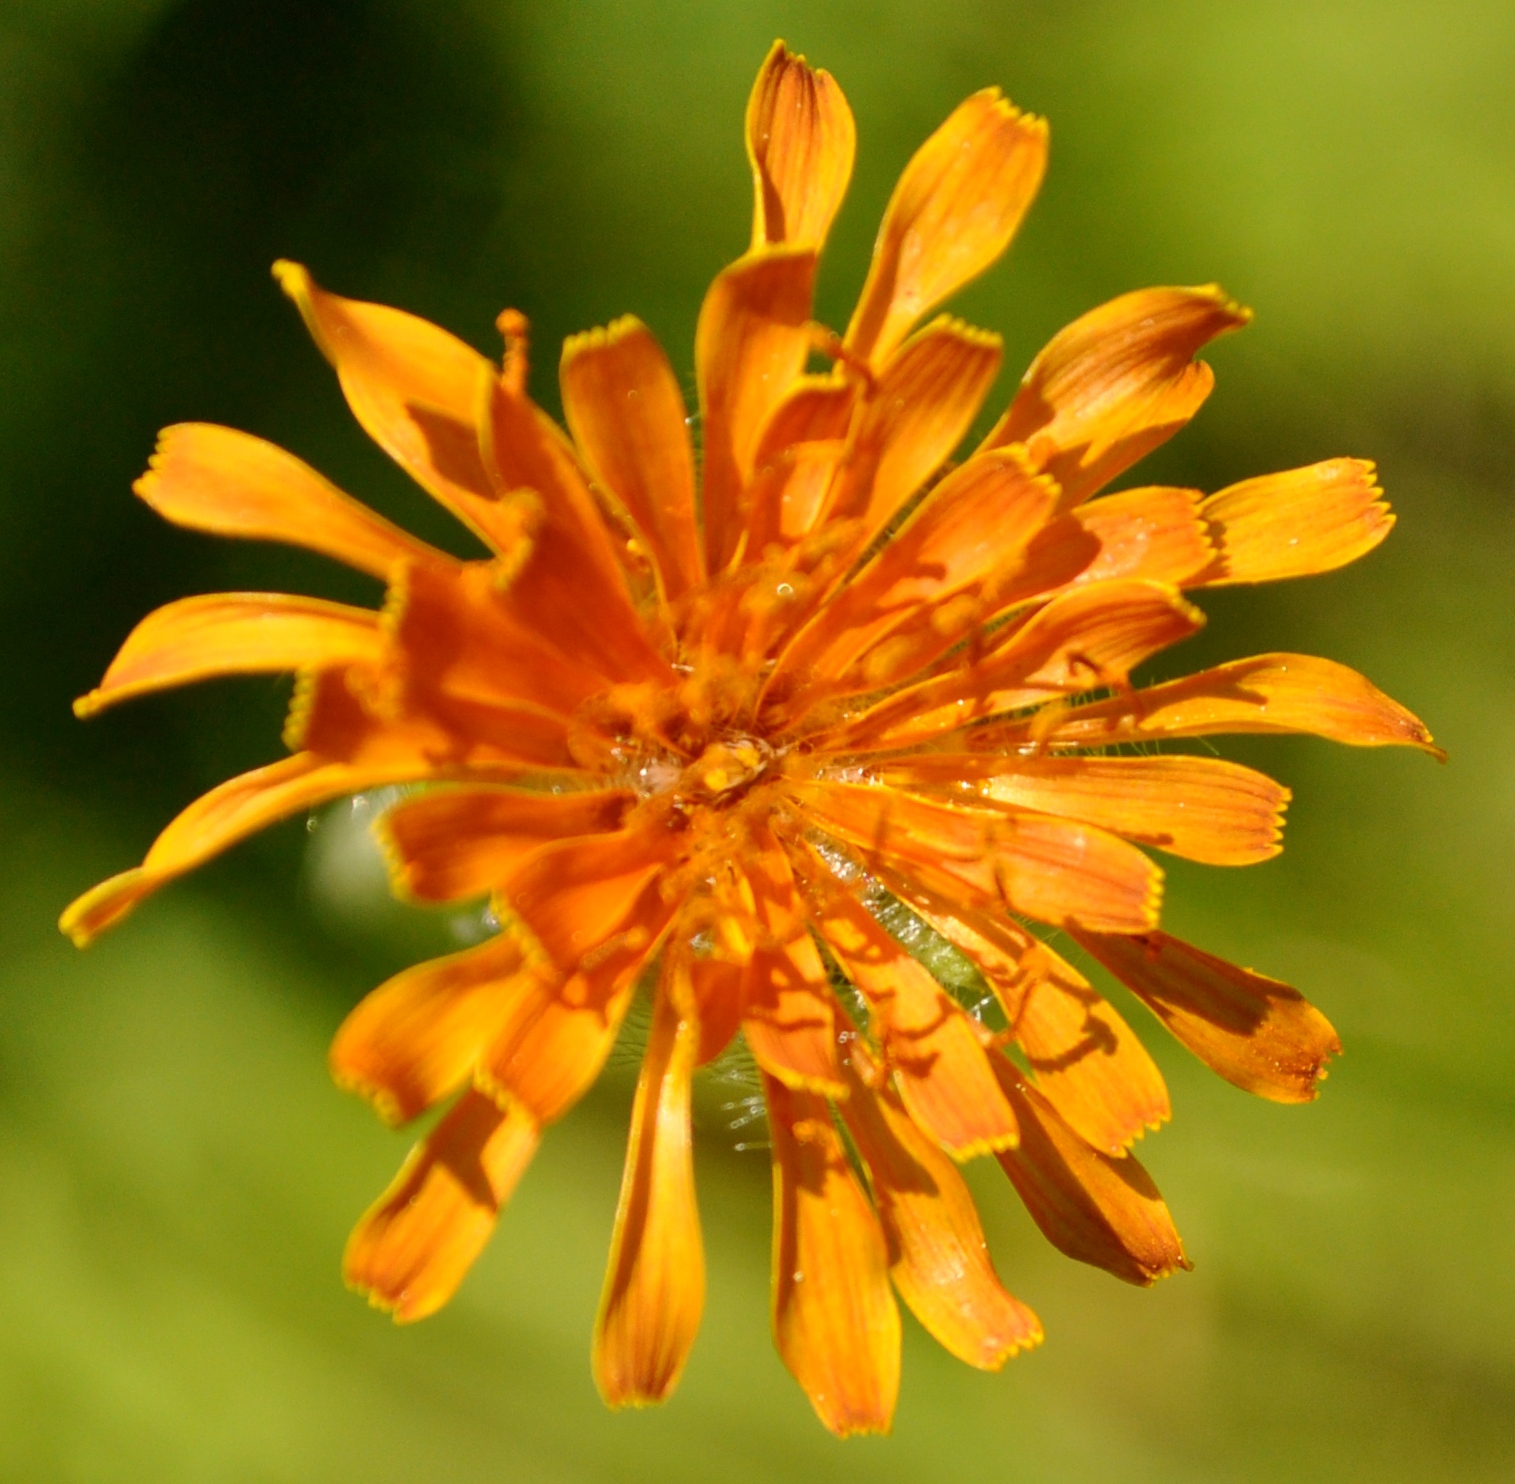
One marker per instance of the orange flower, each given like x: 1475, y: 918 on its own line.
x: 744, y: 727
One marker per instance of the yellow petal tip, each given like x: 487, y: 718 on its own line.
x: 380, y: 1099
x: 102, y: 906
x: 293, y: 278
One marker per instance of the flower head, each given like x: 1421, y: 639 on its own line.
x: 745, y: 728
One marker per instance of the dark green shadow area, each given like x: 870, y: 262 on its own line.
x: 179, y: 1173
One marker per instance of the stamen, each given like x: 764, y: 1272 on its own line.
x: 516, y: 329
x: 1116, y: 680
x: 825, y: 341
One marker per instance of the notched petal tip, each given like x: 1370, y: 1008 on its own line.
x: 397, y: 874
x: 1259, y: 1034
x: 796, y: 1081
x: 1100, y: 1210
x: 954, y: 211
x: 380, y: 1099
x: 1296, y: 523
x: 863, y: 1427
x: 1234, y: 310
x: 600, y: 336
x: 1313, y: 1074
x: 952, y: 324
x: 416, y: 1243
x: 1116, y: 383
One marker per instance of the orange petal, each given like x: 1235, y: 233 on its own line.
x: 790, y: 1015
x: 945, y: 571
x: 556, y: 1039
x: 457, y: 843
x: 1154, y: 533
x: 233, y: 633
x: 217, y: 820
x: 1087, y: 1061
x: 791, y: 487
x: 415, y: 1244
x: 577, y: 896
x: 954, y: 211
x: 1256, y: 1032
x: 1296, y: 523
x: 456, y: 633
x: 1202, y: 808
x: 417, y: 1037
x: 913, y: 419
x: 937, y: 1254
x: 1050, y: 869
x: 414, y: 388
x: 834, y: 1319
x: 330, y: 715
x: 625, y: 410
x: 1094, y: 636
x: 558, y: 1033
x: 750, y: 346
x: 816, y: 409
x: 719, y: 1002
x: 1099, y: 1210
x: 439, y: 409
x: 1116, y: 383
x: 655, y: 1283
x: 570, y: 585
x: 931, y: 1045
x: 1266, y: 693
x: 800, y: 140
x: 232, y: 484
x: 1089, y: 637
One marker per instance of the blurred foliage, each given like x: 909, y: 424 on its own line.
x: 178, y: 1174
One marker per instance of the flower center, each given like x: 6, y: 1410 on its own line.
x: 726, y: 768
x: 692, y: 742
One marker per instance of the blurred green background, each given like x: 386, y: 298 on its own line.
x: 176, y: 1173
